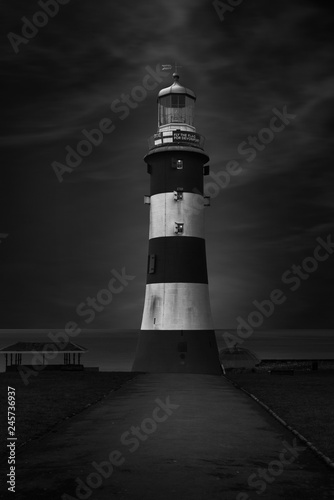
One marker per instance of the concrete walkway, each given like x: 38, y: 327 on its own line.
x: 172, y: 436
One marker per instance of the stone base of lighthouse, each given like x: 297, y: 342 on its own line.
x: 177, y: 351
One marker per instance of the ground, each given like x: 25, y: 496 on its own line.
x: 304, y: 400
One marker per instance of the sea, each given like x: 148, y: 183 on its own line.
x: 114, y: 350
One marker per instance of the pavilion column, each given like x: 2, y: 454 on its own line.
x: 6, y: 356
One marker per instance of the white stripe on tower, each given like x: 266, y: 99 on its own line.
x: 177, y: 306
x: 165, y: 211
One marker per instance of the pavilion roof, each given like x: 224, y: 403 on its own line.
x: 33, y: 347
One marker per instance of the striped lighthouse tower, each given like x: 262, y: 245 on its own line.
x: 177, y: 334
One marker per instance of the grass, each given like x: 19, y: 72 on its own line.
x: 305, y: 401
x: 51, y: 397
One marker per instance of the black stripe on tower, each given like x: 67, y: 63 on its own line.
x: 166, y: 173
x: 177, y: 259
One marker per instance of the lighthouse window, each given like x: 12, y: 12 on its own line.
x: 182, y: 347
x: 179, y: 227
x: 177, y: 164
x: 178, y: 194
x: 178, y: 100
x: 151, y: 263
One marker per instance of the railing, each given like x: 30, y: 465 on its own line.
x: 180, y: 137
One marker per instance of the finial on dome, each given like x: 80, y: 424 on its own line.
x: 176, y: 77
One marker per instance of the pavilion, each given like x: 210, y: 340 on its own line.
x: 43, y: 353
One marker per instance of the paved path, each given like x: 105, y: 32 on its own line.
x: 199, y: 438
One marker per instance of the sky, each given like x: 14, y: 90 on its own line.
x: 62, y: 242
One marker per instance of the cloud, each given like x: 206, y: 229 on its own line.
x: 65, y: 237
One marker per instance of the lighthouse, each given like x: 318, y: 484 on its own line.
x: 177, y: 333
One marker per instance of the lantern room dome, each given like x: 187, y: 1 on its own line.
x: 176, y: 88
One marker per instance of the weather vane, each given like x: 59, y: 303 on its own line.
x: 167, y: 67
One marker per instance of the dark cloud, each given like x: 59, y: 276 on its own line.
x: 65, y: 238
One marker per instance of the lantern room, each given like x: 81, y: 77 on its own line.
x: 176, y: 107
